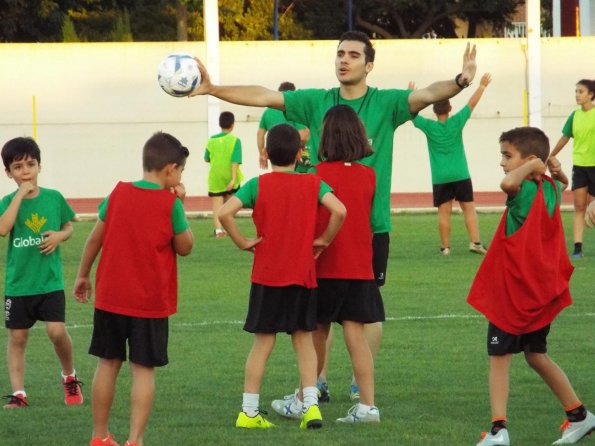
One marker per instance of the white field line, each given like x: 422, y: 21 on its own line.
x: 388, y: 319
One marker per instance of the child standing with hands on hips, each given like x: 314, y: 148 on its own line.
x: 283, y: 291
x: 522, y: 284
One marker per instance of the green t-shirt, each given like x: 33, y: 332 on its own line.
x: 381, y: 111
x: 271, y: 117
x: 222, y: 150
x: 520, y: 205
x: 178, y: 217
x: 445, y: 145
x: 29, y: 272
x: 581, y: 126
x: 249, y: 191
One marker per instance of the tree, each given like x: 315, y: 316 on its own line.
x: 390, y: 19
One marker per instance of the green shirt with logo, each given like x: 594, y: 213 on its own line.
x: 381, y: 111
x: 28, y: 271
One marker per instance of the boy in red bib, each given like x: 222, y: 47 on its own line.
x: 141, y: 228
x: 283, y: 291
x: 522, y: 283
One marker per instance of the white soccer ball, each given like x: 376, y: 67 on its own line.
x: 178, y: 74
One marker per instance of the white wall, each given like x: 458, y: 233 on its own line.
x: 97, y: 103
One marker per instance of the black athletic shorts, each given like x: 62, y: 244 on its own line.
x: 146, y: 337
x: 502, y: 343
x: 584, y: 177
x: 224, y: 193
x: 457, y: 190
x: 281, y: 309
x: 349, y: 300
x: 21, y: 312
x: 380, y: 245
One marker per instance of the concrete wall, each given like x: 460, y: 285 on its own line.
x: 97, y: 103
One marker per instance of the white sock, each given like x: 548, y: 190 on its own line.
x: 310, y: 397
x: 20, y: 393
x: 250, y: 404
x: 73, y: 374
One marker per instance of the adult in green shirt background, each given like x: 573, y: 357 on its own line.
x: 381, y: 111
x: 450, y: 173
x: 270, y: 118
x: 581, y: 126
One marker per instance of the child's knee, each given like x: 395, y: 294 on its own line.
x: 57, y: 333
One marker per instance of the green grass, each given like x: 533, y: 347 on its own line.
x: 431, y: 372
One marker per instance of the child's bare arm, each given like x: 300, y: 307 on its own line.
x: 338, y: 214
x: 533, y: 169
x: 234, y: 175
x: 183, y: 242
x: 51, y: 239
x: 560, y: 145
x: 476, y: 96
x: 555, y: 168
x: 226, y: 217
x: 10, y: 215
x: 82, y: 285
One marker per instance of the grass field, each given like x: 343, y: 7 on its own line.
x: 431, y: 373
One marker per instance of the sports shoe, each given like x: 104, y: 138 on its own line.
x: 477, y: 248
x: 15, y: 401
x: 107, y: 441
x: 289, y: 406
x: 324, y: 395
x: 72, y: 391
x: 355, y: 416
x: 354, y: 392
x: 500, y: 438
x: 256, y: 422
x: 573, y: 432
x: 445, y: 251
x: 577, y: 255
x: 312, y: 418
x: 218, y: 233
x: 131, y: 444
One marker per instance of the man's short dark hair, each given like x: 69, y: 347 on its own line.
x: 358, y: 36
x: 286, y: 86
x: 162, y: 149
x: 441, y: 107
x: 18, y: 149
x: 226, y: 120
x: 528, y: 141
x: 282, y: 145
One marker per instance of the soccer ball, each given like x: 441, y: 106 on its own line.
x: 178, y: 74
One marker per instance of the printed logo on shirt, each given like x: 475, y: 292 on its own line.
x: 35, y: 223
x: 494, y: 340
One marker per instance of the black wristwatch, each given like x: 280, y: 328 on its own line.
x: 458, y: 81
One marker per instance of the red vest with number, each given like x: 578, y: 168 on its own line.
x: 522, y: 283
x: 285, y: 217
x: 349, y: 256
x: 137, y: 274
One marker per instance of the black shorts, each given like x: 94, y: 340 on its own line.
x: 22, y: 312
x: 281, y: 309
x: 380, y: 245
x: 502, y: 343
x: 461, y: 190
x: 349, y: 300
x: 147, y: 338
x: 584, y: 177
x: 224, y: 193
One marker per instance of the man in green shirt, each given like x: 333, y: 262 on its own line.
x: 381, y: 111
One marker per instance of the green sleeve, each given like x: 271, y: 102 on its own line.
x: 462, y: 116
x: 401, y: 112
x: 66, y: 212
x: 567, y: 129
x: 102, y: 208
x: 420, y: 122
x: 324, y: 189
x: 236, y: 156
x: 302, y: 105
x: 262, y: 124
x: 178, y: 217
x: 207, y: 156
x: 248, y: 193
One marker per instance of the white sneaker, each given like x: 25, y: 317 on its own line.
x: 477, y: 248
x: 445, y: 251
x: 500, y: 438
x: 573, y: 432
x: 289, y: 407
x: 354, y: 415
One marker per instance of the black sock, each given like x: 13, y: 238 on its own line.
x: 576, y: 415
x: 578, y: 247
x: 497, y: 425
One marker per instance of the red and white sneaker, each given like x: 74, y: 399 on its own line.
x: 15, y: 401
x: 72, y: 391
x: 131, y: 444
x: 107, y: 441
